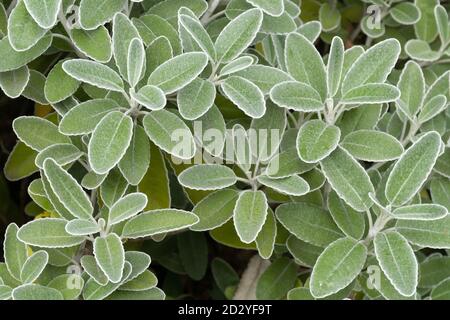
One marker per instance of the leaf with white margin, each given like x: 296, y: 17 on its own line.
x: 135, y: 162
x: 250, y: 214
x: 238, y: 35
x: 215, y: 209
x: 140, y: 261
x: 166, y: 129
x: 15, y: 251
x: 196, y: 99
x: 265, y: 77
x: 310, y: 30
x: 178, y: 72
x: 440, y: 191
x: 420, y: 212
x: 420, y: 50
x: 293, y: 185
x: 145, y: 281
x: 265, y: 241
x: 96, y: 44
x: 305, y: 63
x: 13, y: 83
x: 351, y: 222
x: 38, y: 133
x: 5, y: 292
x: 271, y: 7
x: 12, y: 60
x: 110, y: 256
x: 372, y: 145
x: 245, y: 95
x: 63, y: 154
x: 44, y: 12
x: 398, y: 261
x: 373, y: 66
x: 94, y: 13
x: 33, y: 267
x: 199, y: 34
x: 155, y: 222
x: 432, y: 108
x: 371, y: 93
x: 337, y: 266
x: 316, y: 140
x: 69, y: 292
x: 151, y: 97
x: 127, y: 207
x: 405, y: 13
x: 309, y: 223
x: 412, y: 88
x: 207, y: 177
x: 286, y: 164
x: 59, y: 85
x: 297, y: 96
x: 135, y: 62
x: 36, y: 292
x: 94, y: 73
x: 442, y: 23
x: 412, y: 169
x: 110, y: 140
x: 68, y: 191
x: 93, y: 291
x: 349, y: 179
x: 91, y: 267
x: 430, y: 234
x: 83, y: 118
x: 23, y: 31
x: 236, y: 65
x: 335, y: 66
x: 80, y: 227
x: 48, y: 233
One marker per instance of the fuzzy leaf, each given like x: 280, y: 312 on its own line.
x: 127, y: 207
x: 238, y: 35
x: 250, y: 214
x: 373, y: 66
x: 412, y: 89
x: 34, y: 266
x: 38, y: 133
x: 48, y: 233
x: 110, y: 140
x: 44, y: 12
x: 96, y: 44
x: 293, y: 185
x: 309, y: 223
x: 80, y: 227
x: 335, y: 66
x: 264, y: 77
x: 94, y: 73
x: 276, y: 280
x: 349, y: 179
x: 373, y: 146
x: 215, y: 210
x: 36, y: 292
x: 135, y: 162
x: 135, y: 61
x: 297, y: 96
x: 13, y: 83
x: 420, y: 212
x: 371, y: 93
x: 110, y: 256
x: 23, y: 31
x: 94, y: 14
x: 166, y: 130
x: 196, y: 99
x: 431, y: 234
x: 316, y: 140
x: 412, y: 169
x: 178, y: 72
x: 397, y: 260
x: 83, y: 118
x: 68, y: 191
x: 245, y: 95
x: 305, y: 64
x: 59, y: 85
x: 151, y: 97
x: 199, y: 34
x: 337, y: 267
x: 158, y: 221
x: 207, y: 177
x: 15, y: 251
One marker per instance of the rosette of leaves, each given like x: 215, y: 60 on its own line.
x: 346, y: 175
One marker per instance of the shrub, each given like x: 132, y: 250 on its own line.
x: 178, y: 129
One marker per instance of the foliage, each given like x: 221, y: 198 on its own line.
x: 314, y: 136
